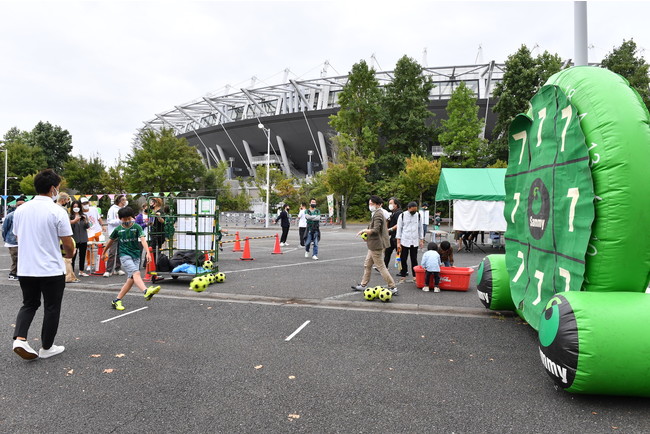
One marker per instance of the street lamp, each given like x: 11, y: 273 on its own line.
x: 268, y: 169
x: 310, y: 167
x: 231, y: 174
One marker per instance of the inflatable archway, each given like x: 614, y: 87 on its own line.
x: 577, y: 251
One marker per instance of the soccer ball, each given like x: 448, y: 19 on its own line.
x: 208, y: 265
x: 199, y: 284
x: 211, y: 279
x: 220, y: 277
x: 385, y: 295
x: 369, y: 294
x: 364, y: 236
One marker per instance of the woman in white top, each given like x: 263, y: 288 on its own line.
x: 302, y: 224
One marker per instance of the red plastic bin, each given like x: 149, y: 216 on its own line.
x: 451, y: 278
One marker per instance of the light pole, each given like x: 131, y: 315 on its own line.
x: 310, y: 167
x: 268, y: 169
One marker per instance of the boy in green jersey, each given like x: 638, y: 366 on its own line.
x: 130, y: 237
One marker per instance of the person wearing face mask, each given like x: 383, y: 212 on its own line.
x: 394, y: 206
x: 409, y: 237
x: 80, y: 225
x: 113, y: 266
x: 94, y: 232
x: 285, y: 222
x: 129, y: 238
x: 63, y: 199
x: 156, y: 226
x: 313, y: 228
x: 378, y: 240
x: 302, y: 224
x: 424, y: 218
x: 40, y: 225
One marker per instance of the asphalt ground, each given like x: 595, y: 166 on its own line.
x: 284, y: 345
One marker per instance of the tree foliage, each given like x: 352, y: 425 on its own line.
x: 523, y: 77
x: 460, y: 136
x: 419, y: 175
x: 55, y: 142
x: 163, y: 162
x: 22, y: 160
x: 86, y: 176
x: 114, y: 178
x: 626, y: 61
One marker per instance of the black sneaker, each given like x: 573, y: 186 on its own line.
x: 13, y: 277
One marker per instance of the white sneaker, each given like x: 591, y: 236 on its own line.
x: 120, y: 272
x: 436, y: 289
x: 23, y: 349
x: 315, y: 258
x: 425, y: 289
x: 282, y: 244
x: 306, y: 254
x: 286, y: 244
x: 107, y: 274
x: 52, y: 351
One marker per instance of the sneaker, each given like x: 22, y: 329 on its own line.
x: 394, y: 291
x: 315, y: 258
x: 52, y: 351
x: 107, y: 274
x: 120, y: 272
x: 286, y: 244
x: 436, y: 289
x: 401, y: 280
x: 23, y: 349
x: 82, y: 274
x: 13, y: 277
x: 117, y: 305
x: 150, y: 292
x: 425, y: 289
x: 359, y: 287
x: 307, y: 254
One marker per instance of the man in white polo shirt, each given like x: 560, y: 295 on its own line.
x: 39, y: 225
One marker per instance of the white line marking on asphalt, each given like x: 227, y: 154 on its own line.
x: 306, y: 262
x: 336, y: 297
x: 124, y: 314
x: 297, y: 331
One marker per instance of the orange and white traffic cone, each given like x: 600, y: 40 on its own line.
x: 101, y: 264
x: 237, y: 246
x: 151, y: 270
x: 276, y: 249
x: 247, y: 251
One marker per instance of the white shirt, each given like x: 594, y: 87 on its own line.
x: 113, y: 219
x: 38, y: 224
x: 93, y: 217
x: 409, y: 229
x: 424, y: 216
x: 302, y: 221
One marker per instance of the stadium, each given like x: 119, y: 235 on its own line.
x: 292, y: 118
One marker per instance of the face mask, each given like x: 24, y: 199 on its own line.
x: 372, y: 208
x: 128, y: 224
x: 126, y: 202
x: 312, y: 205
x: 412, y: 212
x: 391, y: 207
x: 56, y: 195
x: 86, y: 207
x: 75, y: 209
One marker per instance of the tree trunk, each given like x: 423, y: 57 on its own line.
x: 344, y: 214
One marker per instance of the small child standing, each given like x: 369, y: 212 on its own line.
x: 431, y: 264
x: 129, y: 237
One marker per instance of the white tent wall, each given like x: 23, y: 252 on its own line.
x: 479, y: 215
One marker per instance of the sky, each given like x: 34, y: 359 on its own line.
x: 100, y: 68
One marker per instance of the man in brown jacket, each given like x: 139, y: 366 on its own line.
x: 378, y: 240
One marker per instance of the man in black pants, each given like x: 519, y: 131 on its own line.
x: 394, y: 206
x: 39, y: 225
x: 285, y: 224
x: 409, y: 237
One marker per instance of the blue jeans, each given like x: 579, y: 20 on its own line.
x: 312, y: 237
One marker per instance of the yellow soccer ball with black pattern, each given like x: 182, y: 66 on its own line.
x: 199, y: 284
x: 208, y: 265
x: 385, y: 295
x: 220, y: 277
x: 369, y: 294
x: 364, y: 236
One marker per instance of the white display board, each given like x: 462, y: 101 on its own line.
x: 479, y: 215
x: 190, y: 222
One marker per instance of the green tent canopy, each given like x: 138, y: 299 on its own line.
x: 471, y: 184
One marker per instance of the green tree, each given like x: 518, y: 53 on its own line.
x: 406, y: 119
x: 27, y: 185
x: 359, y: 116
x: 162, y: 162
x: 55, y: 142
x: 16, y: 135
x: 275, y: 176
x: 419, y: 175
x: 626, y: 61
x: 22, y: 160
x: 346, y: 177
x: 114, y: 178
x: 86, y: 176
x: 523, y: 77
x: 461, y: 132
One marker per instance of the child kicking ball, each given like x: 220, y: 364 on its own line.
x: 129, y: 237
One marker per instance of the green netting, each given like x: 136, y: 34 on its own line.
x: 549, y: 203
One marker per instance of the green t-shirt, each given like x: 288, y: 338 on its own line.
x: 129, y: 240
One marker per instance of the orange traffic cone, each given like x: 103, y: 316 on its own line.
x: 100, y: 262
x: 276, y: 249
x: 247, y: 251
x: 237, y: 246
x: 151, y: 270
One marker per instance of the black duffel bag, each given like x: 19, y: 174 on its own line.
x: 193, y: 257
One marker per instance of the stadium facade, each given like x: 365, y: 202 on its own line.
x: 296, y: 113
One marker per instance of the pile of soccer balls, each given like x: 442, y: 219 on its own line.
x: 384, y: 294
x: 200, y: 283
